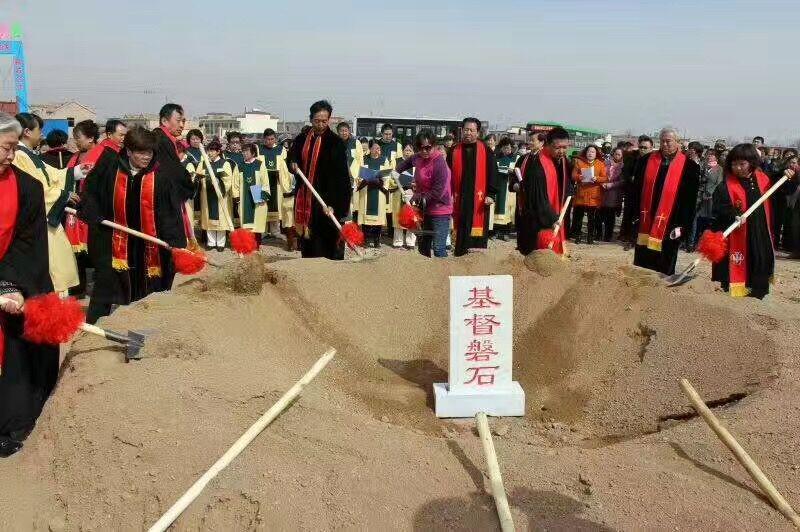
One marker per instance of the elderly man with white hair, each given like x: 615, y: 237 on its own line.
x: 665, y: 202
x: 28, y: 372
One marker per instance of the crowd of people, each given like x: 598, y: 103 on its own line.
x: 191, y: 192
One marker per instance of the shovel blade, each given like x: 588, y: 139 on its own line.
x: 682, y: 277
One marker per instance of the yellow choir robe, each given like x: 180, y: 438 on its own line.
x: 287, y: 204
x: 63, y: 268
x: 253, y: 216
x: 211, y: 217
x: 393, y: 151
x: 375, y: 216
x: 276, y: 210
x: 396, y: 191
x: 357, y: 154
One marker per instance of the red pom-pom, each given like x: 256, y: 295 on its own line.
x: 51, y: 320
x: 409, y: 217
x: 713, y: 246
x: 545, y: 238
x: 187, y: 262
x: 353, y: 235
x: 244, y: 242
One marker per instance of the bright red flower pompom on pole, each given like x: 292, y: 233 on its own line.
x: 188, y: 262
x: 545, y: 238
x: 409, y: 217
x: 244, y: 242
x: 51, y: 320
x: 353, y: 235
x: 713, y: 246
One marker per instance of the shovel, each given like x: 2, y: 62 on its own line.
x: 680, y: 278
x: 133, y: 342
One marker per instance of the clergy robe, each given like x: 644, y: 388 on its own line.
x: 472, y: 183
x: 171, y: 167
x: 506, y: 204
x: 252, y: 214
x: 323, y: 160
x: 274, y: 160
x: 665, y: 198
x: 63, y: 268
x: 542, y: 194
x: 748, y: 268
x: 128, y: 268
x: 28, y: 372
x: 372, y: 195
x: 211, y: 216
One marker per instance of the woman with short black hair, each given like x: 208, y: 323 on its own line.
x: 748, y: 266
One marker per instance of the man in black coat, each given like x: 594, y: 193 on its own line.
x: 322, y: 157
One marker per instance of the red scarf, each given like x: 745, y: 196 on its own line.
x: 119, y: 239
x: 304, y: 202
x: 9, y: 209
x: 78, y: 231
x: 481, y: 180
x: 554, y: 194
x: 652, y: 234
x: 737, y: 242
x: 171, y: 138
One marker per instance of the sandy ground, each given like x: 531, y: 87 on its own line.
x: 608, y: 441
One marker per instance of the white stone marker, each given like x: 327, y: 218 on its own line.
x: 481, y: 343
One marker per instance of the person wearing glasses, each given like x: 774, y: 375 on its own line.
x: 432, y: 191
x: 28, y: 372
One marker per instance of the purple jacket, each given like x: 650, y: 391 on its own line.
x: 432, y: 180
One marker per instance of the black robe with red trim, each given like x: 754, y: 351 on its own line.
x: 29, y: 371
x: 760, y: 255
x: 535, y: 210
x: 466, y: 198
x: 334, y: 185
x: 682, y: 214
x: 121, y: 287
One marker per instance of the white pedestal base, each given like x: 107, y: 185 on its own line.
x: 505, y: 403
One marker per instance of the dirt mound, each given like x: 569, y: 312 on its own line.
x: 597, y: 347
x: 544, y: 262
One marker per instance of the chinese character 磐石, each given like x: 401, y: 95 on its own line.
x: 481, y: 298
x: 483, y: 375
x: 482, y: 325
x: 480, y: 351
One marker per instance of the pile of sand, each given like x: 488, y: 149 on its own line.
x: 598, y: 351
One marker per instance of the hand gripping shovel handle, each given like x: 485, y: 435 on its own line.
x: 561, y: 216
x: 325, y: 208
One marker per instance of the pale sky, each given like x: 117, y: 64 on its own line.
x: 708, y: 67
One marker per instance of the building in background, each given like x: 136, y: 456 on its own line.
x: 256, y: 121
x: 9, y: 108
x: 71, y: 111
x: 147, y: 121
x: 217, y: 124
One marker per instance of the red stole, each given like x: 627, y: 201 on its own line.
x: 9, y: 210
x: 481, y: 180
x: 78, y: 231
x: 554, y: 195
x: 171, y: 138
x: 119, y: 239
x: 653, y: 229
x: 737, y: 242
x: 304, y: 202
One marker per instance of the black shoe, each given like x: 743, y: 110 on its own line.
x: 220, y: 249
x: 9, y: 446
